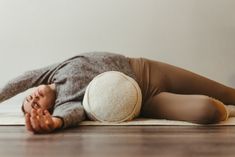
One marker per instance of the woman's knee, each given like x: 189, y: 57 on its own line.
x: 213, y: 111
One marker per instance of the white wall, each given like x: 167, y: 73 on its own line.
x: 198, y: 35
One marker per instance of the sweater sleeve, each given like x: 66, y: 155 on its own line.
x: 71, y: 113
x: 25, y: 81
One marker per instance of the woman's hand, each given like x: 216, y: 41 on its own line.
x: 39, y: 121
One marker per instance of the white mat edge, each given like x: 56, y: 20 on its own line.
x: 11, y: 119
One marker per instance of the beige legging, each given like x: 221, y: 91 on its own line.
x: 173, y: 93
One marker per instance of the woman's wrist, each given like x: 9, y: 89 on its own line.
x: 58, y: 122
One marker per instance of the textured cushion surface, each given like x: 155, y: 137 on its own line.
x: 112, y: 97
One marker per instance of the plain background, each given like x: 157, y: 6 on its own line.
x: 198, y: 35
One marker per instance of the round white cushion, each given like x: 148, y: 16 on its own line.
x: 112, y: 97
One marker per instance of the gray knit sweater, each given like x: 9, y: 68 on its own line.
x: 71, y: 78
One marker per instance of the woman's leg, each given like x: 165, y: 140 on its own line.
x: 180, y: 81
x: 192, y: 108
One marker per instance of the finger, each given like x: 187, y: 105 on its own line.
x: 28, y: 123
x: 35, y: 121
x: 33, y: 113
x: 48, y: 119
x: 47, y: 127
x: 41, y: 120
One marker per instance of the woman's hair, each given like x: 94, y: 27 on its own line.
x: 22, y: 108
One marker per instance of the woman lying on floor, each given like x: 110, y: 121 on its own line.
x: 168, y: 92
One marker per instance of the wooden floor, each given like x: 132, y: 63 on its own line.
x: 120, y: 141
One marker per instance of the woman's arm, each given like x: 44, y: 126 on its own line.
x: 25, y: 81
x: 71, y: 113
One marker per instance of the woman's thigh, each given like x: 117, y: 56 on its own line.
x: 173, y: 79
x: 149, y: 77
x: 192, y: 108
